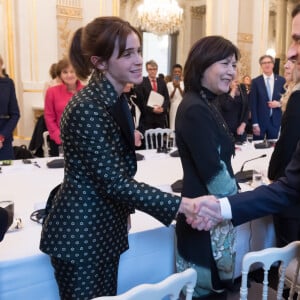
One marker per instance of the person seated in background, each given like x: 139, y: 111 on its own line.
x: 234, y: 107
x: 9, y: 114
x: 287, y: 223
x: 175, y: 89
x: 56, y: 100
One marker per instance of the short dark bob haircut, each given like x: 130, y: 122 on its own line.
x: 202, y: 55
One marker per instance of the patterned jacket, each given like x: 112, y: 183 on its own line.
x: 88, y: 217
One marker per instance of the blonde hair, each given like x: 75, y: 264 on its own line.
x: 289, y: 89
x: 1, y: 66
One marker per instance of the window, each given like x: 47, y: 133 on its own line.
x: 157, y: 48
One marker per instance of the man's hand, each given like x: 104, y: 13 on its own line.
x: 158, y: 109
x: 201, y: 213
x: 274, y: 104
x: 138, y: 138
x: 256, y: 130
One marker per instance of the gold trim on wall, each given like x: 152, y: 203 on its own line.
x: 34, y: 74
x: 69, y: 12
x: 198, y: 12
x: 10, y: 39
x: 245, y: 37
x: 116, y: 8
x: 32, y: 91
x: 69, y: 18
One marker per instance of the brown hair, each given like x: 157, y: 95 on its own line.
x: 202, y: 55
x: 62, y: 64
x: 98, y: 38
x: 296, y: 11
x: 151, y: 63
x: 52, y: 71
x: 266, y: 56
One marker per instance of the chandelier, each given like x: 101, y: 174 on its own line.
x: 160, y: 16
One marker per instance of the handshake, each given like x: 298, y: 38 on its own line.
x: 202, y: 213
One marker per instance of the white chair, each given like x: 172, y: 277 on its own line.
x: 159, y: 138
x: 169, y: 287
x: 46, y: 147
x: 291, y: 271
x: 267, y: 257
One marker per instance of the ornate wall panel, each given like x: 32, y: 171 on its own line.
x: 69, y: 18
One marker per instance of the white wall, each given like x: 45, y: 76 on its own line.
x: 36, y: 48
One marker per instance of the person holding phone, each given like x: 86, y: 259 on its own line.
x: 175, y: 89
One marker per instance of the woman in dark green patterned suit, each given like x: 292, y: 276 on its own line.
x: 85, y: 230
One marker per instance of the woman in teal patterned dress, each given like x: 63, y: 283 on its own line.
x: 206, y: 147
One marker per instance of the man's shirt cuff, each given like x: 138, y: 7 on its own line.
x: 225, y: 208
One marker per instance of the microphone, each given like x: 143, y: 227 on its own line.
x: 264, y: 144
x: 244, y: 176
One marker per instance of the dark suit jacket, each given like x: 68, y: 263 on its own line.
x: 289, y: 137
x: 149, y: 119
x: 235, y: 110
x: 88, y: 217
x: 260, y: 111
x: 271, y: 199
x: 9, y: 115
x: 286, y: 146
x: 205, y: 150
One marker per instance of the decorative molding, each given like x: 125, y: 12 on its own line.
x: 198, y: 12
x: 69, y: 18
x: 32, y: 91
x: 245, y: 37
x: 244, y: 63
x: 69, y: 12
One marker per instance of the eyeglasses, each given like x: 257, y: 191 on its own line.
x: 266, y: 62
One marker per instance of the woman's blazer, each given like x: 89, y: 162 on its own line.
x: 88, y: 219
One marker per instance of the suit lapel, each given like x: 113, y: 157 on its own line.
x: 113, y: 105
x: 122, y: 119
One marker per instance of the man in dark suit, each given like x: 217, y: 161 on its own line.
x: 266, y: 91
x: 156, y: 116
x: 264, y: 200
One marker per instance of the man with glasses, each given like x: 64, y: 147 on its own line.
x: 153, y: 116
x: 266, y: 91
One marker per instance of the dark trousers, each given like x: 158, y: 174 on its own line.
x: 53, y: 148
x: 287, y: 229
x: 86, y: 280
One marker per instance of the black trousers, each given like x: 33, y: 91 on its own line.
x: 86, y: 280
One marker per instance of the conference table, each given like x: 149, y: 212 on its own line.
x: 26, y: 272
